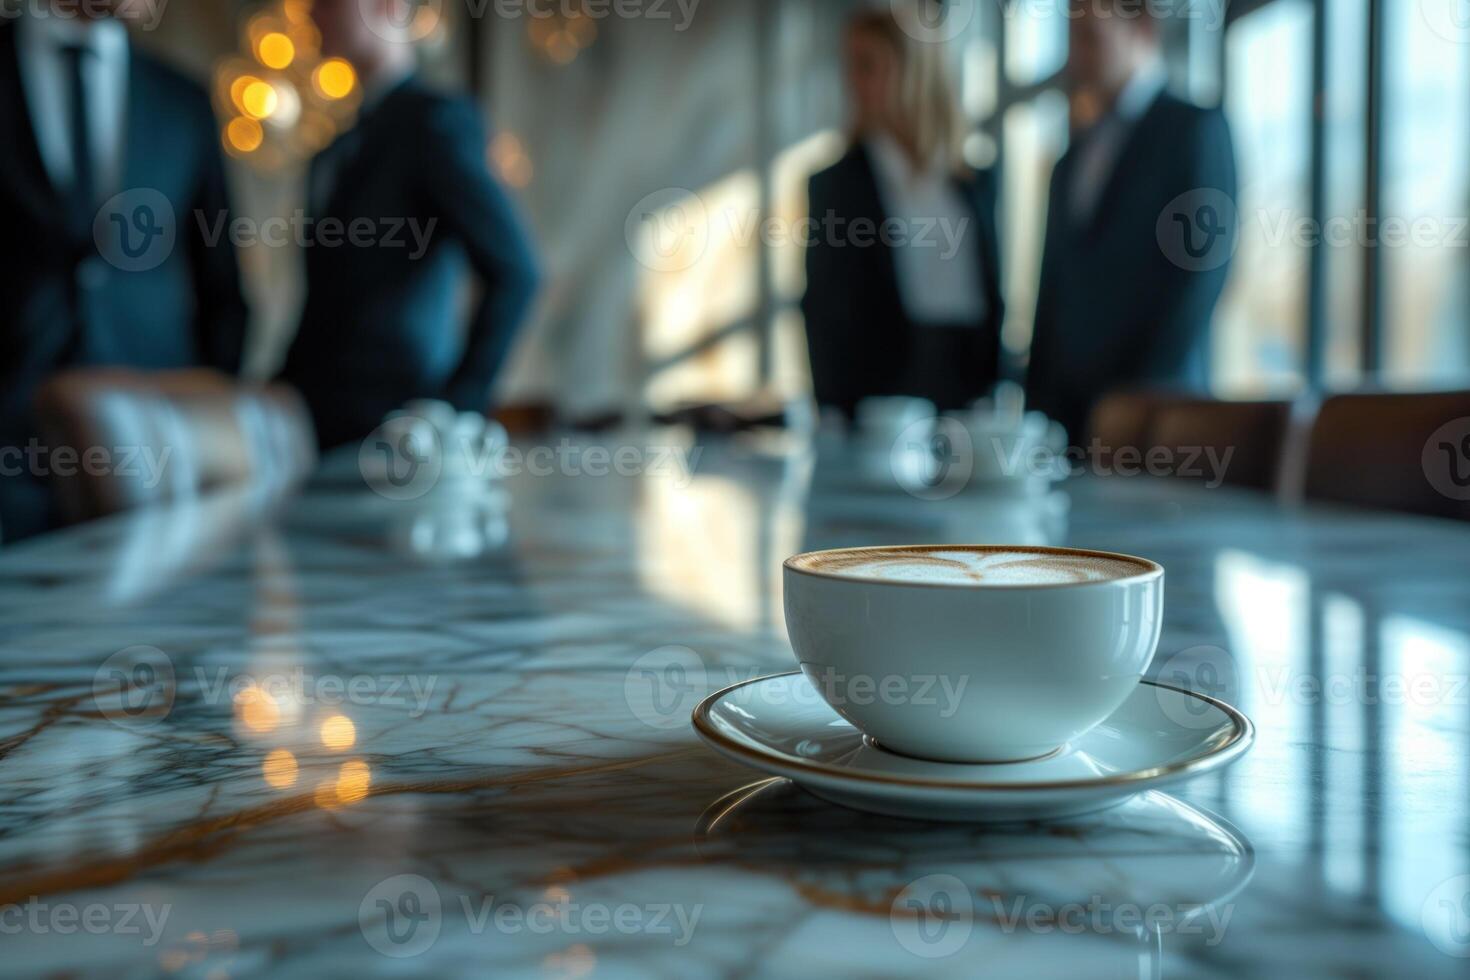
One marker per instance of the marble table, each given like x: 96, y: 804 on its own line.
x: 346, y: 735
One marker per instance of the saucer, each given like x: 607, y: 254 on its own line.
x: 780, y: 725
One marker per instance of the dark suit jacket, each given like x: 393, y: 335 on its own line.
x: 1116, y: 308
x: 382, y: 323
x: 858, y: 336
x: 61, y: 303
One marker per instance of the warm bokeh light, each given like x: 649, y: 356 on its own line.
x: 335, y: 78
x: 275, y: 50
x: 257, y: 710
x: 237, y: 90
x: 243, y: 135
x: 576, y: 960
x: 258, y: 99
x: 279, y: 769
x: 509, y: 159
x: 339, y: 733
x: 353, y: 780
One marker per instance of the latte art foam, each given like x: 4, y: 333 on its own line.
x: 979, y: 567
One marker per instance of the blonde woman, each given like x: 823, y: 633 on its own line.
x: 903, y: 281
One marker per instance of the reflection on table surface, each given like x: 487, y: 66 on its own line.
x: 351, y: 734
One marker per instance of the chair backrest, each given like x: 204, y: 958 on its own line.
x: 1408, y: 452
x: 1238, y: 442
x: 1126, y: 418
x: 132, y: 438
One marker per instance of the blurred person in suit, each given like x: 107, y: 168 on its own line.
x: 903, y: 277
x: 381, y: 324
x: 1140, y: 224
x: 113, y: 176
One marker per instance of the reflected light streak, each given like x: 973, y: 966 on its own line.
x: 257, y: 710
x: 338, y: 733
x: 279, y: 769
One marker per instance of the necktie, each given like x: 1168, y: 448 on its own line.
x: 83, y: 198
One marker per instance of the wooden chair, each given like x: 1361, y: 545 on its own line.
x: 1248, y: 438
x: 1253, y: 433
x: 1406, y: 452
x: 1125, y: 418
x: 120, y: 439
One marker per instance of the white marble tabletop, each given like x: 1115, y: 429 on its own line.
x: 347, y: 735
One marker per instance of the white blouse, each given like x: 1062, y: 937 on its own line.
x: 936, y: 240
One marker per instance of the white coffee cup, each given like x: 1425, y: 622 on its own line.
x: 1004, y: 657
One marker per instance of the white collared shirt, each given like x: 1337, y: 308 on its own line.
x: 46, y: 77
x: 936, y: 254
x: 1102, y: 145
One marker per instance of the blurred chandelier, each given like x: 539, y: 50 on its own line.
x: 560, y: 37
x: 280, y: 101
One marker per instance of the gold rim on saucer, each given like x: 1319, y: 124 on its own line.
x: 1226, y: 749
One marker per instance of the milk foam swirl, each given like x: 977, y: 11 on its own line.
x: 977, y: 567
